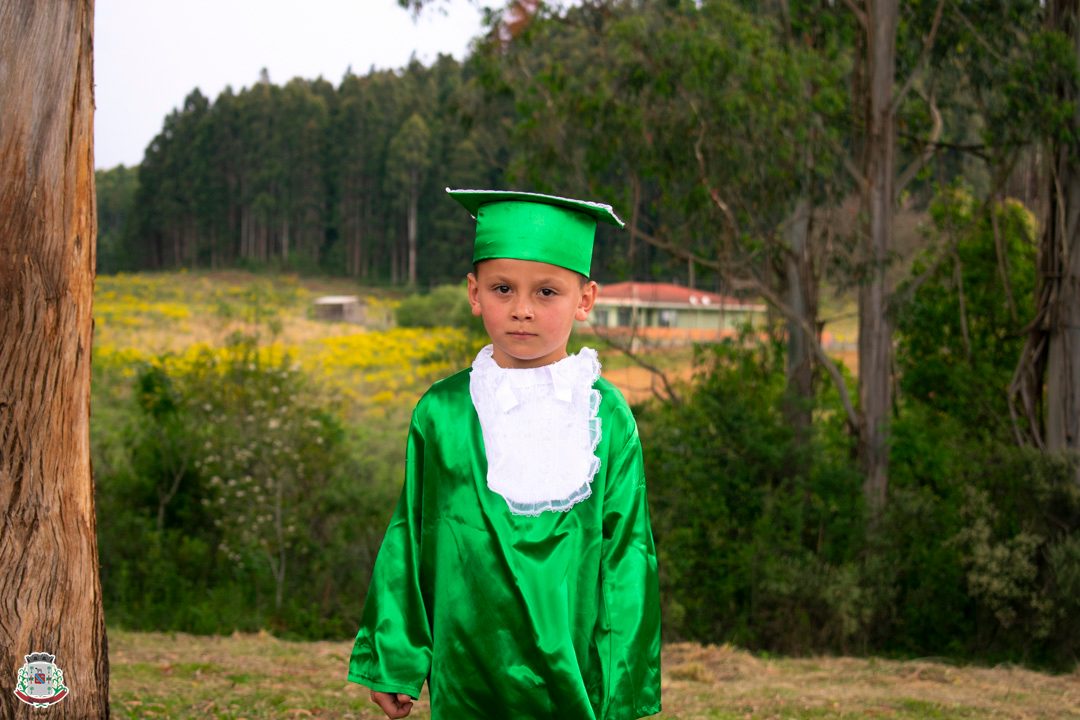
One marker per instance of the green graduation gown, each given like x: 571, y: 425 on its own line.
x: 555, y: 615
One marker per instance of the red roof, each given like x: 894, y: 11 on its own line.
x: 648, y: 292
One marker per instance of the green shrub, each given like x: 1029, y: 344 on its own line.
x: 240, y: 502
x: 756, y: 533
x: 763, y: 542
x: 960, y: 326
x: 444, y: 306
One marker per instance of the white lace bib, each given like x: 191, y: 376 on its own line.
x: 540, y: 429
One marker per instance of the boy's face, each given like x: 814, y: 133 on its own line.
x: 528, y: 309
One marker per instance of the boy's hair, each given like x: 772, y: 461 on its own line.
x: 582, y: 278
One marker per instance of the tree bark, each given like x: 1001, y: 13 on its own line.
x: 1060, y: 266
x: 801, y: 297
x: 50, y: 593
x: 414, y: 201
x: 1045, y: 391
x: 875, y: 326
x: 1062, y: 248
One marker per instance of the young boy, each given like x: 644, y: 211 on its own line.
x: 518, y: 574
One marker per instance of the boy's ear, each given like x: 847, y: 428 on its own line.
x: 589, y: 291
x: 474, y: 294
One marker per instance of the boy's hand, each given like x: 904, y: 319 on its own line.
x: 395, y: 705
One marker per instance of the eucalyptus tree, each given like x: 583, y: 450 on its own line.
x: 52, y: 600
x: 721, y: 126
x: 1059, y: 302
x: 300, y: 130
x: 409, y: 161
x: 363, y: 126
x: 115, y: 196
x: 692, y: 117
x: 1046, y: 386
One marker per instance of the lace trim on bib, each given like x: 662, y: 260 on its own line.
x: 540, y: 429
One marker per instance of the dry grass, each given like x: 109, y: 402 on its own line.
x: 721, y: 682
x: 167, y: 312
x: 258, y: 676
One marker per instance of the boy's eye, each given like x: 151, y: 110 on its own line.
x: 548, y: 292
x: 502, y: 289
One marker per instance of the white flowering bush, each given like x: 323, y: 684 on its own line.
x: 233, y: 495
x: 263, y: 453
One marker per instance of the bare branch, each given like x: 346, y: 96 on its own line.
x: 899, y: 299
x: 928, y: 44
x: 1024, y: 380
x: 677, y: 250
x: 751, y: 283
x: 1026, y: 386
x: 859, y: 13
x: 1002, y: 258
x: 958, y: 277
x: 628, y: 351
x: 713, y: 194
x: 975, y: 33
x: 857, y: 175
x: 815, y: 342
x: 929, y: 148
x: 977, y: 149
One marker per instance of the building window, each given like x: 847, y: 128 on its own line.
x: 669, y: 318
x: 625, y: 316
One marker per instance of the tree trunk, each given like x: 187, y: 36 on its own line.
x: 414, y: 200
x: 395, y: 263
x: 1045, y: 389
x: 359, y: 268
x: 802, y: 301
x: 51, y: 594
x: 1060, y: 264
x: 875, y: 326
x: 285, y: 239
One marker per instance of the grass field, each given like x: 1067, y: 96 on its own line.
x: 368, y: 370
x: 258, y: 676
x: 141, y: 316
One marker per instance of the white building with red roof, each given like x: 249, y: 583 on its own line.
x: 665, y: 313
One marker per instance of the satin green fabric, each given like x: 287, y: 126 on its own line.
x: 512, y: 616
x: 535, y: 231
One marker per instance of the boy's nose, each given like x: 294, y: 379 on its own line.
x: 523, y: 310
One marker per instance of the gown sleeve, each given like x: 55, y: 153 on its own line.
x: 392, y: 652
x: 630, y: 589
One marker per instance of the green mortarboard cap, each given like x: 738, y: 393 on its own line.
x: 531, y: 226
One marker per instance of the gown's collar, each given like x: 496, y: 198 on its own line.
x: 560, y: 375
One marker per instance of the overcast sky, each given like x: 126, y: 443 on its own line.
x: 149, y: 54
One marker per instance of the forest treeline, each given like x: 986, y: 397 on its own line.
x: 928, y: 504
x: 347, y: 180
